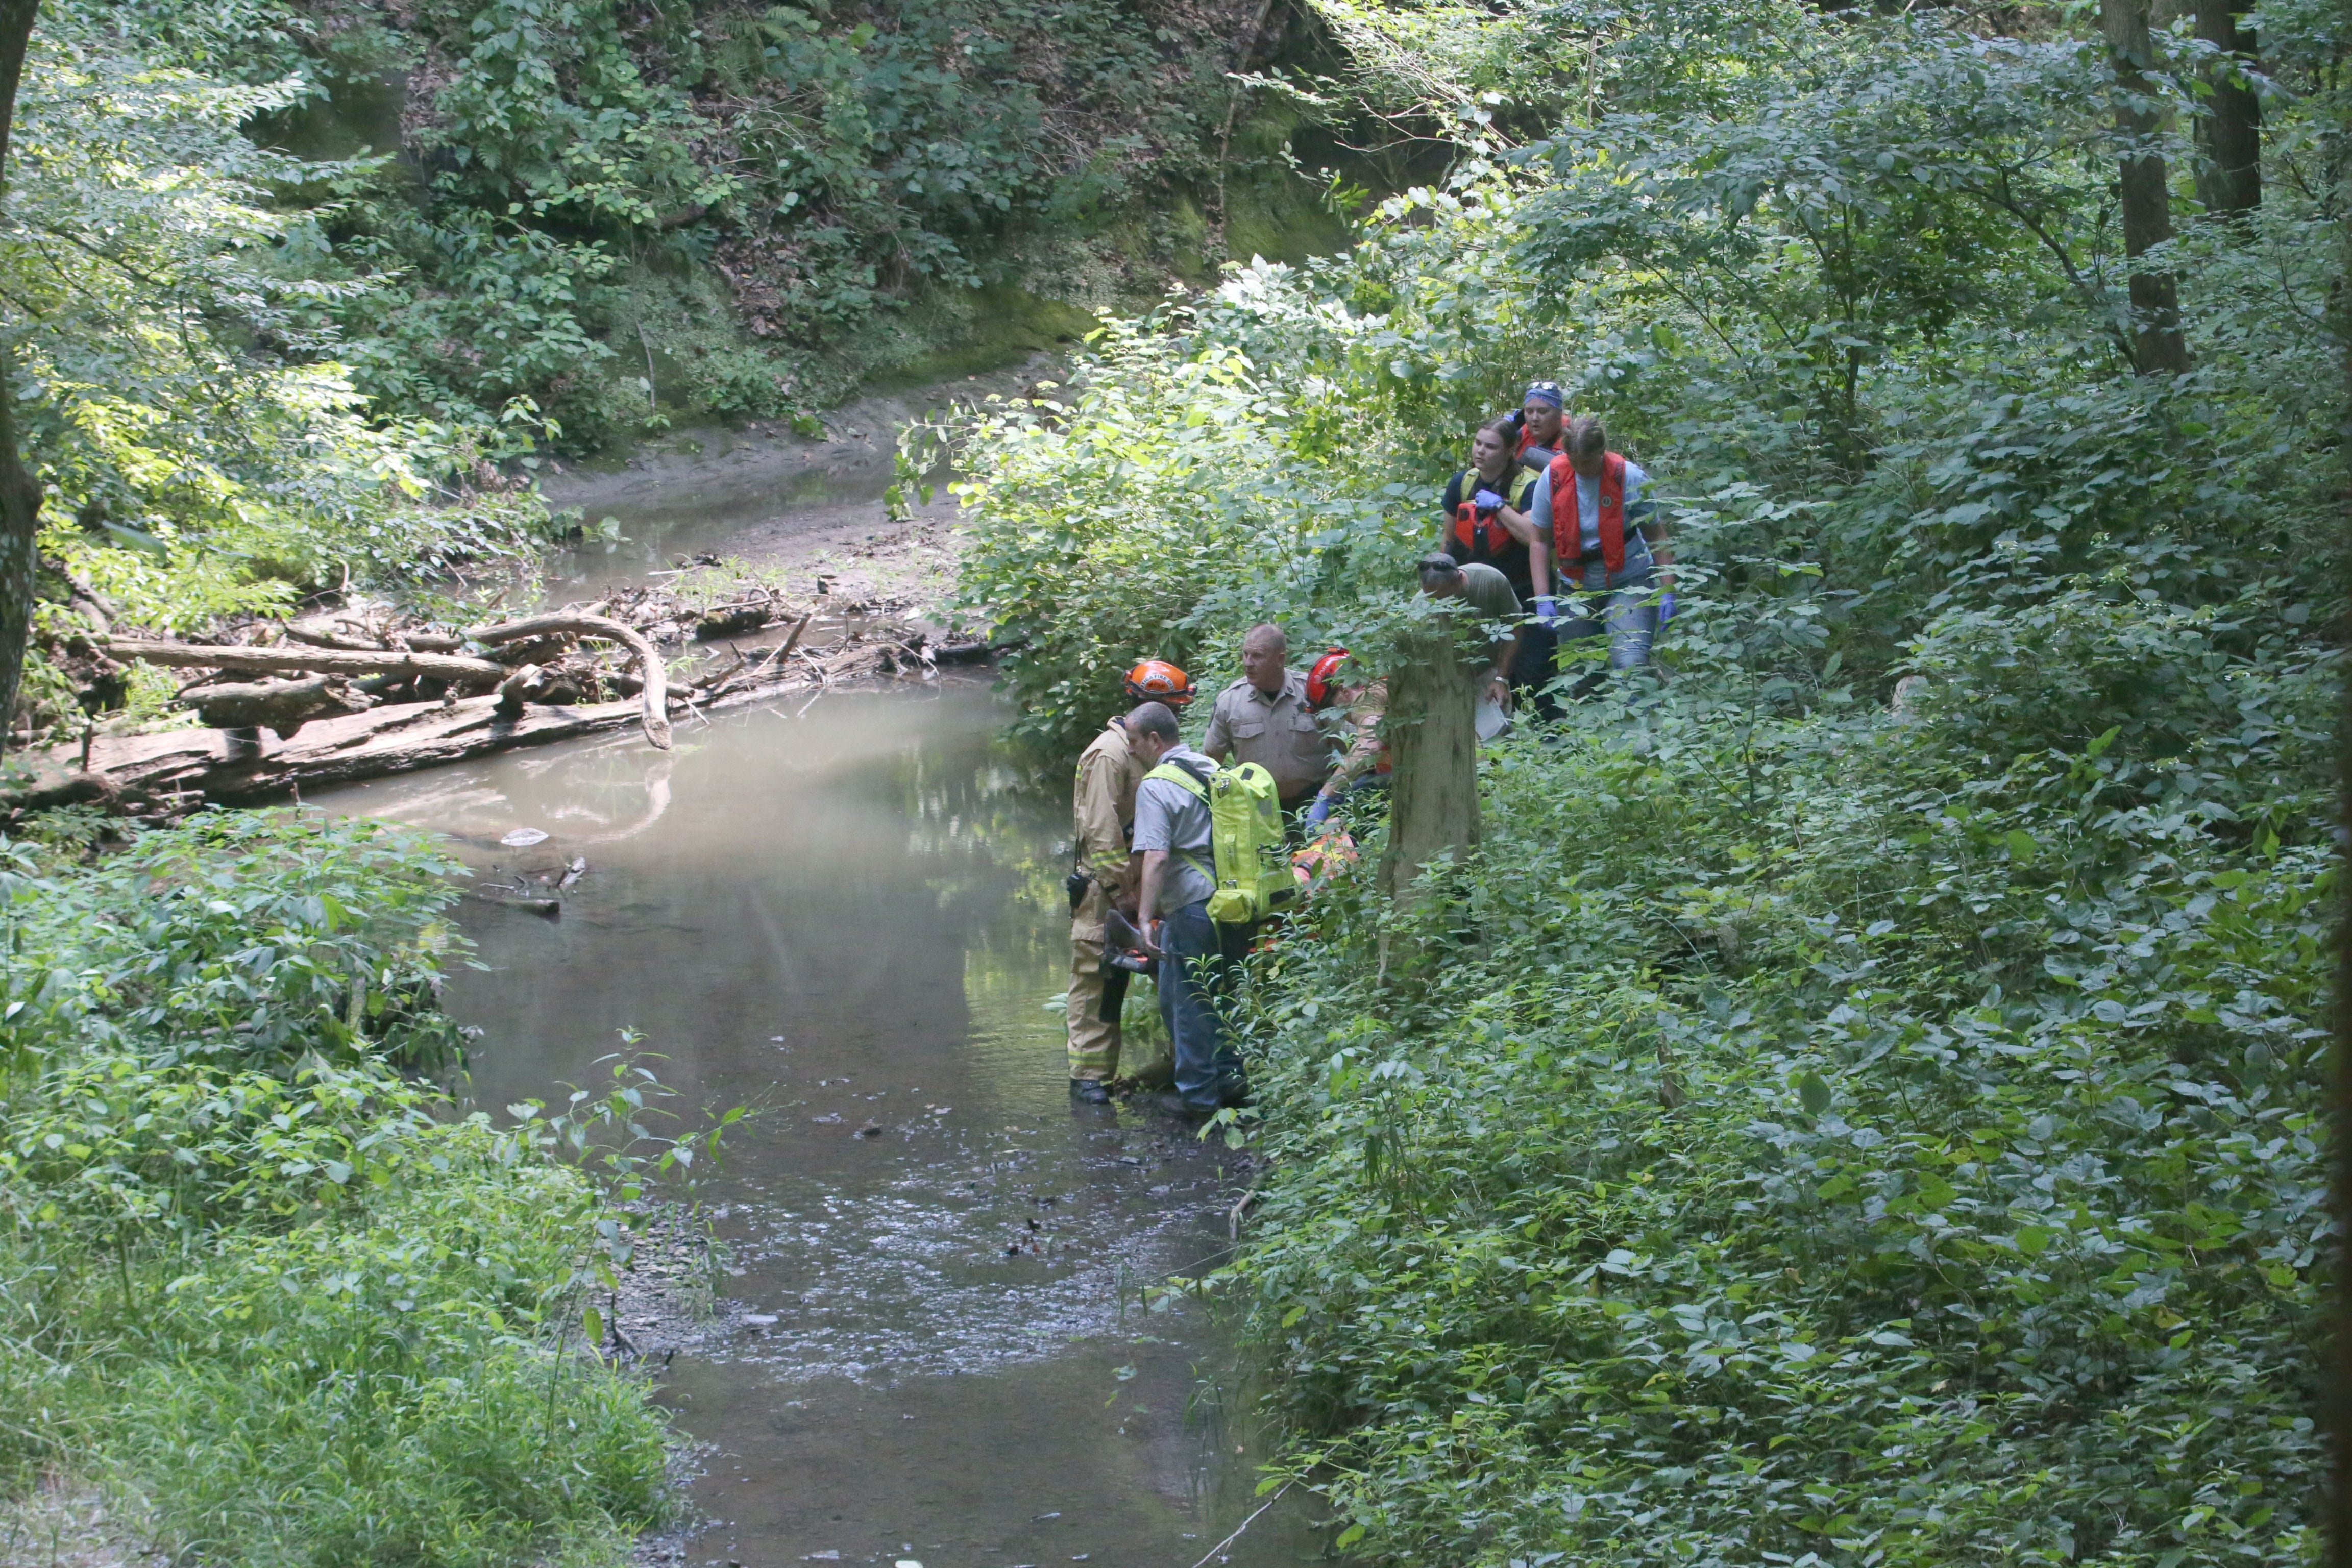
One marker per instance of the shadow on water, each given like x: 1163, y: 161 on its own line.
x: 848, y: 913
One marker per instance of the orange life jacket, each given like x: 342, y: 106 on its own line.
x: 1481, y: 539
x: 1567, y: 527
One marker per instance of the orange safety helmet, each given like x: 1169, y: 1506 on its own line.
x: 1323, y: 680
x: 1157, y: 680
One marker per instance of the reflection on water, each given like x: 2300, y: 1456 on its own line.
x: 685, y: 524
x: 848, y: 914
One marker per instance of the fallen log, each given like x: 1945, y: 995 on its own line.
x: 313, y: 637
x: 237, y: 767
x: 284, y: 706
x: 654, y: 697
x: 163, y: 773
x: 457, y: 669
x: 529, y: 903
x: 731, y: 620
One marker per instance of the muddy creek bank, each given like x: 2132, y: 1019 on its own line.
x: 929, y: 1342
x: 768, y: 494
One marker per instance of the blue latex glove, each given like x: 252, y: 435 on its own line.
x: 1319, y: 812
x: 1547, y: 610
x: 1665, y: 607
x: 1487, y: 501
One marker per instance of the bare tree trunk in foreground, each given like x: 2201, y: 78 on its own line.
x: 20, y: 493
x: 2334, y: 1391
x: 1432, y: 726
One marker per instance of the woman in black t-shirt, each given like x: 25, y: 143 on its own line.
x: 1487, y: 521
x: 1486, y: 513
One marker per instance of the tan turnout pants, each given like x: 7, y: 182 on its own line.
x: 1094, y: 1043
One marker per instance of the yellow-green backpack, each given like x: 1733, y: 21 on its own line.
x: 1251, y: 868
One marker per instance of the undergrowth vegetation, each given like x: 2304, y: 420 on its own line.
x: 1815, y: 1123
x: 254, y: 1279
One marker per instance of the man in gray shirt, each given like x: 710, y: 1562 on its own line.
x: 1173, y: 835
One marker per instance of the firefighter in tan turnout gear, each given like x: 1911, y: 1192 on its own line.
x: 1102, y: 816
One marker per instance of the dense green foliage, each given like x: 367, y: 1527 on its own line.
x: 1812, y: 1127
x: 616, y: 210
x: 298, y: 296
x: 250, y: 1277
x: 189, y: 411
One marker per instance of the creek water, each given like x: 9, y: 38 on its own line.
x: 847, y: 912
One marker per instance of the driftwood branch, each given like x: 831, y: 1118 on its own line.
x: 453, y: 669
x: 655, y: 695
x: 314, y: 638
x: 518, y: 687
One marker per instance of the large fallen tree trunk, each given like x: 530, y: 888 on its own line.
x: 455, y: 668
x: 237, y: 766
x: 159, y: 775
x: 571, y: 623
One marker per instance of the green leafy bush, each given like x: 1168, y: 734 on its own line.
x: 1917, y: 1165
x: 249, y: 1274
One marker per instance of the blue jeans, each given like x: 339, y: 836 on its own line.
x: 1624, y: 608
x: 1196, y: 980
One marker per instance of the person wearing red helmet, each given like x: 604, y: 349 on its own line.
x: 1107, y: 877
x: 1356, y: 705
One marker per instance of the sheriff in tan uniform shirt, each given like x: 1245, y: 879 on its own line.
x: 1280, y: 734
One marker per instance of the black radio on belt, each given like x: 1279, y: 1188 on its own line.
x: 1076, y: 884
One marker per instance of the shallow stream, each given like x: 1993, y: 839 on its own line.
x: 845, y: 913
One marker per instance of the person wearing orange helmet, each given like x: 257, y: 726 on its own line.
x: 1157, y: 680
x: 1105, y: 876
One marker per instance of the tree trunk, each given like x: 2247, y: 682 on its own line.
x: 2157, y: 342
x: 1433, y: 740
x: 2333, y: 1398
x: 20, y: 493
x: 2230, y: 138
x: 479, y: 674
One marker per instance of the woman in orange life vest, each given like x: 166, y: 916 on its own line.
x: 1487, y: 521
x: 1597, y: 527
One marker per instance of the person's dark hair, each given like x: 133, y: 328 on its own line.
x: 1153, y: 719
x: 1441, y: 566
x: 1585, y: 437
x: 1507, y: 427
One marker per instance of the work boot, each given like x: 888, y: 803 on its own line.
x: 1089, y: 1092
x: 1232, y: 1091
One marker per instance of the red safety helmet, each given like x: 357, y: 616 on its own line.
x: 1157, y: 680
x: 1323, y: 680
